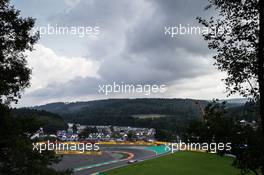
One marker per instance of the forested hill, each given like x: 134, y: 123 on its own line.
x: 109, y: 110
x: 50, y: 122
x: 170, y: 115
x: 126, y: 107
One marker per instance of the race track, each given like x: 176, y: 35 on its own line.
x: 89, y: 164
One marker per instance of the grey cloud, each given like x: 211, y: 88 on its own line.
x: 75, y: 87
x: 133, y: 46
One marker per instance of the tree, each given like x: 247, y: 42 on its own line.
x: 86, y: 133
x: 247, y: 143
x: 248, y: 149
x: 261, y: 62
x: 74, y: 128
x: 219, y: 127
x: 237, y: 36
x: 163, y: 135
x: 215, y: 128
x: 15, y: 38
x: 16, y: 150
x: 131, y: 135
x: 17, y: 156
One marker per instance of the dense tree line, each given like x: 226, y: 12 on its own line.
x: 240, y: 53
x: 17, y: 156
x: 50, y: 122
x: 246, y: 141
x: 120, y: 107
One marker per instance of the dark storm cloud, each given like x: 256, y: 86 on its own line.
x: 132, y: 45
x: 149, y: 33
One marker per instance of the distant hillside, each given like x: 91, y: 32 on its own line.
x: 125, y: 107
x: 61, y: 107
x: 235, y: 102
x: 51, y: 122
x: 109, y: 110
x: 170, y: 115
x: 246, y: 112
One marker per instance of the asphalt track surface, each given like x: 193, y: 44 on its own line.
x: 87, y: 164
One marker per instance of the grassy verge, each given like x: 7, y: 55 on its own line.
x: 180, y: 163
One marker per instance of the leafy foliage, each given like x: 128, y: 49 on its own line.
x: 251, y: 157
x: 236, y: 50
x: 87, y: 131
x: 240, y: 53
x: 15, y: 38
x: 50, y: 122
x: 16, y: 150
x: 247, y: 143
x: 17, y: 156
x: 214, y: 128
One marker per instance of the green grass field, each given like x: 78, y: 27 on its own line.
x: 180, y: 163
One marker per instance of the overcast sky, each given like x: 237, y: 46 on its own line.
x: 131, y: 48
